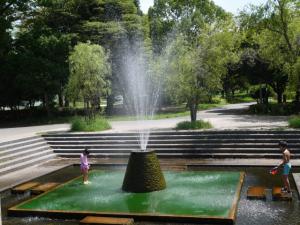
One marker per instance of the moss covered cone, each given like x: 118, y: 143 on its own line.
x: 143, y: 173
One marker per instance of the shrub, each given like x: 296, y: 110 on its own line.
x: 294, y: 122
x: 187, y: 125
x: 273, y: 109
x: 95, y: 124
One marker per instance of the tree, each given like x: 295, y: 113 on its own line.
x: 192, y: 77
x: 89, y: 75
x: 273, y: 29
x: 262, y: 72
x: 169, y: 17
x: 44, y: 56
x: 10, y: 11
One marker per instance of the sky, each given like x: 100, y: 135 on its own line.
x: 232, y: 6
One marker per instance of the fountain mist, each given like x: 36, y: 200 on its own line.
x: 141, y: 90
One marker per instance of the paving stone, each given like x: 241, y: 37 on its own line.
x: 24, y: 187
x: 277, y: 195
x: 107, y: 220
x: 43, y: 188
x: 256, y: 192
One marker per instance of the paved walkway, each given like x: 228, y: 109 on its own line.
x: 8, y: 134
x: 226, y: 117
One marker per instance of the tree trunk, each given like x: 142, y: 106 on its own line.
x: 260, y: 95
x: 60, y: 100
x: 193, y: 111
x: 279, y: 97
x: 67, y: 103
x: 110, y: 105
x: 46, y: 104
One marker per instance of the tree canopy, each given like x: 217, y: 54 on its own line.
x: 196, y: 47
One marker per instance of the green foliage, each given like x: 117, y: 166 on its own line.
x: 89, y: 74
x: 195, y: 125
x: 187, y: 17
x: 89, y: 124
x: 273, y: 109
x: 194, y: 72
x: 294, y: 122
x: 272, y: 30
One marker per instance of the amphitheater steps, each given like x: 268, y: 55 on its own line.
x: 178, y: 144
x: 22, y: 153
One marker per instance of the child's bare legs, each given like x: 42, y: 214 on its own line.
x: 85, y: 176
x: 286, y: 182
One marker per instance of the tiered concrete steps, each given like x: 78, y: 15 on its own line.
x: 206, y: 144
x: 21, y: 153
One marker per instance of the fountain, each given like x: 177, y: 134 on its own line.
x: 191, y: 196
x: 143, y: 173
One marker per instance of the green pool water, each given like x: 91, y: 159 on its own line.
x: 193, y: 193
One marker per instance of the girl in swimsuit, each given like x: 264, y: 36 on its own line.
x: 84, y: 165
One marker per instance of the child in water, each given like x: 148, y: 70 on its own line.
x: 84, y: 165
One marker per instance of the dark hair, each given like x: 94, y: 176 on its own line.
x: 283, y: 144
x: 86, y: 151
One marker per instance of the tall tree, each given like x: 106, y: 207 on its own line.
x: 188, y: 17
x: 89, y: 73
x: 274, y: 29
x: 194, y: 73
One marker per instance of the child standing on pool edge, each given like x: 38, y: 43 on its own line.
x: 286, y: 156
x: 84, y: 165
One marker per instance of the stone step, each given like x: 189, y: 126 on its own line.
x: 293, y: 147
x: 173, y: 150
x: 26, y: 158
x: 177, y: 133
x: 106, y: 220
x: 14, y: 155
x: 274, y: 143
x: 167, y: 140
x: 43, y: 188
x: 256, y: 192
x: 24, y: 187
x: 200, y: 136
x: 182, y: 155
x: 22, y: 148
x: 27, y: 163
x: 278, y: 195
x: 227, y: 143
x: 20, y: 142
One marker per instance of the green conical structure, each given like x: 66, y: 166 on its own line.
x: 143, y: 173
